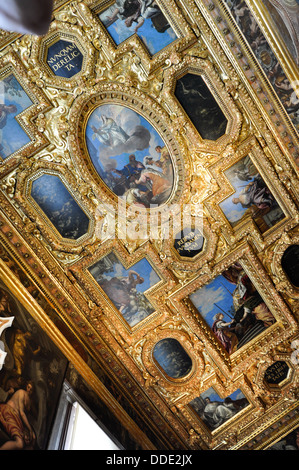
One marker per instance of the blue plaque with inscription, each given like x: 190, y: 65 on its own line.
x: 64, y: 58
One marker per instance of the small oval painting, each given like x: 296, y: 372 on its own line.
x: 129, y: 155
x: 172, y: 357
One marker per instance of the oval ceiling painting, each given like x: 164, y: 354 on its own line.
x: 129, y: 155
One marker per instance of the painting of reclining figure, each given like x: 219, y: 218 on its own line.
x: 233, y: 308
x: 144, y: 17
x: 252, y: 198
x: 126, y: 288
x: 215, y: 411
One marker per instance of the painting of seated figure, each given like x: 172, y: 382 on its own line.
x: 129, y: 155
x: 252, y: 198
x: 142, y: 17
x: 215, y: 411
x: 233, y: 308
x: 126, y: 288
x: 14, y: 100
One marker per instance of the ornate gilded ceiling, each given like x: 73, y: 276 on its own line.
x: 169, y: 267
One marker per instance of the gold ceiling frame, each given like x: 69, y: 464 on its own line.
x: 146, y: 62
x: 156, y: 294
x: 10, y: 63
x: 185, y: 268
x: 76, y: 313
x: 38, y: 314
x: 278, y: 435
x: 220, y: 19
x: 144, y: 105
x: 171, y: 388
x: 34, y: 212
x: 273, y: 263
x: 70, y: 32
x: 247, y: 227
x: 206, y: 69
x: 283, y: 328
x: 285, y: 389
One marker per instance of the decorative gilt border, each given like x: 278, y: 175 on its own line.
x: 71, y: 32
x: 116, y: 93
x: 282, y: 282
x: 247, y: 227
x: 134, y: 44
x: 285, y: 325
x: 287, y: 387
x: 231, y: 40
x: 206, y: 69
x: 184, y: 268
x: 169, y: 387
x: 109, y: 314
x: 34, y: 212
x: 10, y: 63
x: 223, y: 434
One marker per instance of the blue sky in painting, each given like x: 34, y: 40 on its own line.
x: 59, y: 206
x: 152, y: 39
x: 232, y: 211
x: 12, y: 136
x: 213, y: 298
x: 215, y: 397
x: 127, y: 119
x: 143, y: 268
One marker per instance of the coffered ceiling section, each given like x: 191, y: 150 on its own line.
x: 149, y: 170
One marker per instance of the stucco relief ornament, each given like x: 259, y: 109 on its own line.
x: 4, y: 323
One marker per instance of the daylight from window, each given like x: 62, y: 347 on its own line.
x: 85, y: 434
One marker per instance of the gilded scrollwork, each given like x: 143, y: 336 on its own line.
x: 258, y: 145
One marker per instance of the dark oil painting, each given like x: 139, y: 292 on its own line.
x: 290, y: 264
x: 60, y: 207
x: 30, y: 379
x: 172, y: 358
x: 200, y: 105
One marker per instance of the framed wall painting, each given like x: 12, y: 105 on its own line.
x: 32, y: 374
